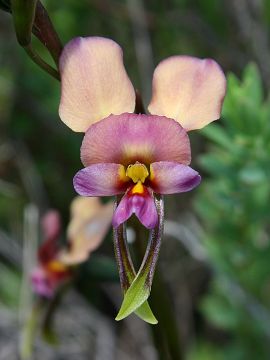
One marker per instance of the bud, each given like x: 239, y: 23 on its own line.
x: 23, y: 12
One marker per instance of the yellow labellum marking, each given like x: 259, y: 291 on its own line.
x: 152, y: 175
x: 56, y: 266
x: 138, y: 188
x: 137, y: 172
x: 122, y: 174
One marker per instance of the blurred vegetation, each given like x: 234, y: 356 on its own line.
x: 234, y: 207
x: 221, y: 300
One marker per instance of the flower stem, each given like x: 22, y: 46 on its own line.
x: 29, y: 331
x: 41, y: 63
x: 44, y: 30
x: 167, y: 329
x: 47, y: 323
x: 139, y: 106
x: 165, y: 333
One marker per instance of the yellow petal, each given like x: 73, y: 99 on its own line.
x: 86, y: 233
x: 94, y: 83
x: 189, y: 90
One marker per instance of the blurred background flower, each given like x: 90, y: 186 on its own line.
x: 89, y: 223
x: 49, y: 272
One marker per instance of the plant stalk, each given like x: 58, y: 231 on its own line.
x: 165, y: 334
x: 41, y: 63
x: 44, y: 30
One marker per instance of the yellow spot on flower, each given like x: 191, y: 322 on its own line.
x: 138, y: 188
x: 122, y: 174
x: 137, y: 172
x: 152, y: 175
x: 56, y: 266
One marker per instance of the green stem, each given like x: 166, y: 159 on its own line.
x: 165, y: 333
x: 41, y: 63
x: 47, y: 323
x: 29, y: 331
x: 167, y: 326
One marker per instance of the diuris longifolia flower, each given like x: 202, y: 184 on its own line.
x: 138, y: 156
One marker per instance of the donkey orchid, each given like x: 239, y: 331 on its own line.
x: 140, y: 156
x: 50, y: 273
x: 89, y: 223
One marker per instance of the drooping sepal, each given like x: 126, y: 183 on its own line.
x: 127, y: 273
x: 139, y: 291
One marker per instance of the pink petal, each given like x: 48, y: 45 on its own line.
x: 94, y: 82
x: 189, y: 90
x: 128, y: 138
x: 143, y: 206
x: 51, y: 230
x: 171, y: 177
x: 41, y: 283
x: 86, y: 234
x: 51, y: 224
x: 101, y: 180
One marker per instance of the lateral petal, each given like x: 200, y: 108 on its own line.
x: 189, y: 90
x: 94, y: 82
x: 101, y: 180
x: 170, y: 177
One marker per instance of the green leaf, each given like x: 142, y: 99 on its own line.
x: 135, y: 296
x: 146, y: 314
x: 217, y: 134
x: 252, y: 84
x: 10, y: 282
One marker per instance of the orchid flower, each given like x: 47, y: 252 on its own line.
x: 50, y: 273
x: 89, y: 223
x: 137, y: 156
